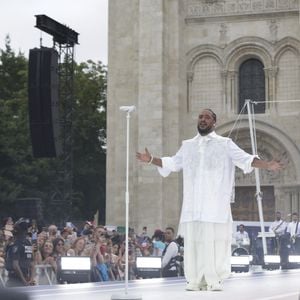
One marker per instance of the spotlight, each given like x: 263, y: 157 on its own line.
x: 74, y: 269
x: 148, y: 267
x: 294, y: 261
x: 271, y: 262
x: 240, y: 263
x: 240, y: 260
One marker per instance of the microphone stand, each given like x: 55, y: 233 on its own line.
x: 128, y: 110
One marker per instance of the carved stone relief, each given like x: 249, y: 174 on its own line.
x: 223, y: 35
x: 238, y: 7
x: 273, y: 25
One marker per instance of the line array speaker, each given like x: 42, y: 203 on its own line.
x: 43, y: 102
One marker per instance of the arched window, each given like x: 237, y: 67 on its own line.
x: 252, y: 84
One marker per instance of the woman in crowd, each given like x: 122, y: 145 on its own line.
x: 58, y: 248
x: 78, y: 247
x: 44, y: 257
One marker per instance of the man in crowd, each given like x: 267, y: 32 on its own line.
x: 208, y: 162
x: 169, y: 268
x: 293, y: 229
x: 242, y: 237
x: 19, y: 257
x: 278, y: 227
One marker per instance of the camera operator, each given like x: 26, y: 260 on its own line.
x: 169, y: 264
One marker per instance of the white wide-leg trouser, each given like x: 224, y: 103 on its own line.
x: 207, y: 252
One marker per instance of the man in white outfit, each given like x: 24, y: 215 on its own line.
x: 293, y: 228
x: 279, y: 225
x: 242, y: 236
x: 208, y: 162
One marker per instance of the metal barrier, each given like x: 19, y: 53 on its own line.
x: 3, y: 276
x: 44, y: 275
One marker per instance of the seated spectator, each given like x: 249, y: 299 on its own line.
x: 242, y: 237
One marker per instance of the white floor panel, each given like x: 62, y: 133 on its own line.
x: 266, y: 285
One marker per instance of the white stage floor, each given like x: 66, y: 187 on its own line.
x: 264, y: 285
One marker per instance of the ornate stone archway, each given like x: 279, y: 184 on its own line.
x: 281, y: 189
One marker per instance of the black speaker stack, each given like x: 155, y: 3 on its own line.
x: 43, y: 102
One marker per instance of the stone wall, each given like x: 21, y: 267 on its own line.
x: 171, y: 59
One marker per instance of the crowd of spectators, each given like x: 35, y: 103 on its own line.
x: 104, y: 246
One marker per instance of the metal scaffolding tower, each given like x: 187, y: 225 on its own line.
x: 64, y: 40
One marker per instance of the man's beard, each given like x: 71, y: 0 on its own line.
x: 204, y: 131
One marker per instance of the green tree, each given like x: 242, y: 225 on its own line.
x: 90, y: 138
x: 22, y: 175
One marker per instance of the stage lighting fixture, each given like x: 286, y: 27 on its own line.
x: 271, y: 262
x: 74, y: 269
x: 148, y: 266
x: 240, y: 263
x: 61, y: 33
x: 294, y: 261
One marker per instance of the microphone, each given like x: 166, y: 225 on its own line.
x: 128, y: 108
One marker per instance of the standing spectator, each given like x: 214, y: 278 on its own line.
x: 87, y: 229
x: 44, y: 258
x: 58, y: 248
x: 158, y: 244
x: 279, y: 228
x: 78, y: 247
x: 45, y: 255
x: 293, y: 229
x: 279, y: 225
x: 52, y: 232
x: 169, y: 264
x: 19, y: 257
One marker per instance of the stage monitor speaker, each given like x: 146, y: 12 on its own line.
x: 74, y: 269
x: 43, y: 102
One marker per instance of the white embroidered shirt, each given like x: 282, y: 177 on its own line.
x: 208, y: 164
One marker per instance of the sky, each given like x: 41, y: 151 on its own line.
x: 87, y: 17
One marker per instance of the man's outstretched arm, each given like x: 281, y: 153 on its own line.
x: 148, y: 158
x: 271, y: 165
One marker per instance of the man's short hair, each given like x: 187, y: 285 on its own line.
x: 171, y: 229
x: 213, y: 113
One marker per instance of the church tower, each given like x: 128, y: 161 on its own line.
x: 172, y: 58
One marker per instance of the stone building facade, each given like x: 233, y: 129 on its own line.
x: 172, y: 58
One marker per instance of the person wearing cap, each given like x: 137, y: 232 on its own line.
x: 19, y: 257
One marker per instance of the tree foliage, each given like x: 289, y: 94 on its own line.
x: 22, y: 175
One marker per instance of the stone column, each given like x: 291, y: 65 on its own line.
x: 150, y: 111
x: 232, y: 91
x: 190, y: 76
x: 224, y: 75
